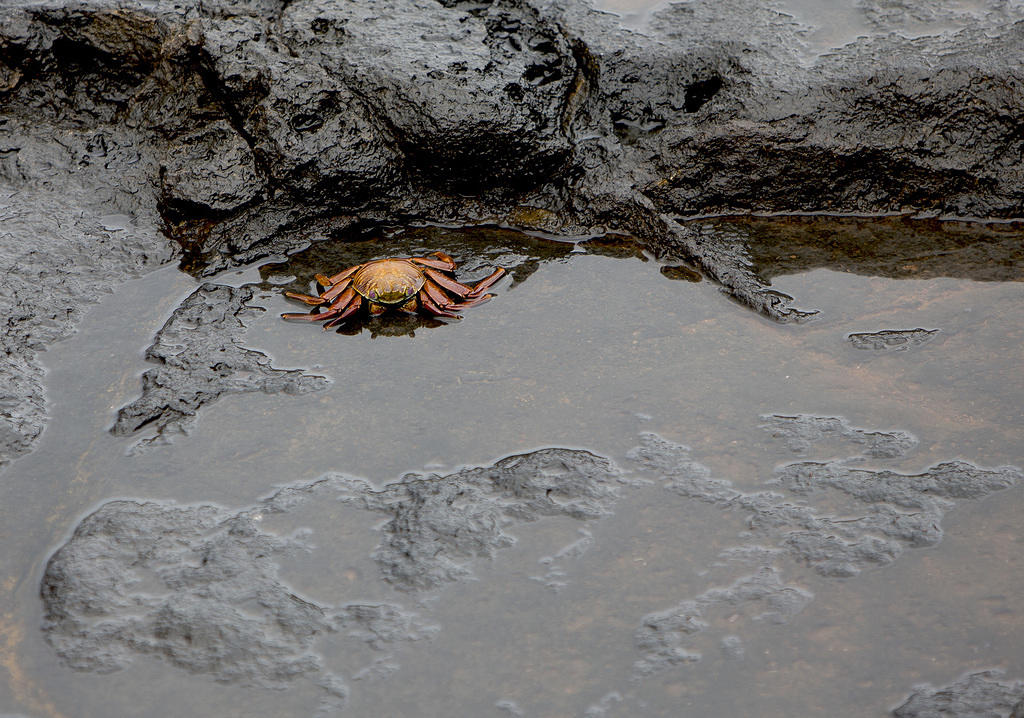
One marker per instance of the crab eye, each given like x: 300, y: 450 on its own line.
x: 373, y: 294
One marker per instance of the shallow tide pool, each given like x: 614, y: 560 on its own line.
x: 677, y: 581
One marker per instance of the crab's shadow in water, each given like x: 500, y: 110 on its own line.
x: 391, y: 324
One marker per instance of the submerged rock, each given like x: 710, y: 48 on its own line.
x: 199, y: 586
x: 976, y: 695
x: 802, y: 431
x: 884, y: 513
x: 891, y: 340
x: 200, y: 358
x: 439, y: 524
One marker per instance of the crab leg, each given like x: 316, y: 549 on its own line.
x: 443, y: 261
x: 311, y: 317
x: 344, y: 274
x: 344, y: 299
x: 487, y: 282
x: 431, y: 307
x: 473, y: 301
x: 351, y: 309
x: 456, y: 288
x: 327, y: 296
x: 436, y: 294
x: 305, y: 298
x: 339, y: 306
x: 336, y: 290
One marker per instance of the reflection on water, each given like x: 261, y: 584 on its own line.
x: 630, y: 495
x: 898, y: 247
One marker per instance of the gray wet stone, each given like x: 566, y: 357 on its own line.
x: 212, y: 169
x: 891, y: 340
x: 507, y: 67
x: 725, y: 257
x: 59, y: 255
x: 200, y: 358
x: 198, y: 587
x: 438, y: 525
x: 985, y: 694
x: 883, y: 514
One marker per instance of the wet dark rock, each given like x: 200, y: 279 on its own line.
x: 891, y: 340
x: 212, y: 170
x: 313, y: 135
x: 882, y: 514
x: 471, y: 96
x: 726, y: 259
x: 977, y: 695
x: 200, y: 358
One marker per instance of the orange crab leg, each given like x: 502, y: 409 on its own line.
x: 431, y: 307
x: 456, y: 288
x: 341, y: 305
x: 473, y: 301
x: 344, y: 274
x: 436, y: 294
x: 487, y: 282
x: 305, y: 298
x: 344, y: 299
x: 351, y: 309
x: 327, y: 296
x: 337, y: 290
x: 443, y: 261
x: 311, y: 317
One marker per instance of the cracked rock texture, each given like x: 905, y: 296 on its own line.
x: 438, y: 525
x: 247, y: 128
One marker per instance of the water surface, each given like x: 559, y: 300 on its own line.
x: 585, y: 346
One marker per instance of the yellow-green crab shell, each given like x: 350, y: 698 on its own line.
x: 389, y: 282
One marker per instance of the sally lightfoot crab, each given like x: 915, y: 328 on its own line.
x: 407, y: 284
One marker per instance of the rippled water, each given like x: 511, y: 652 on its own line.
x: 589, y: 347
